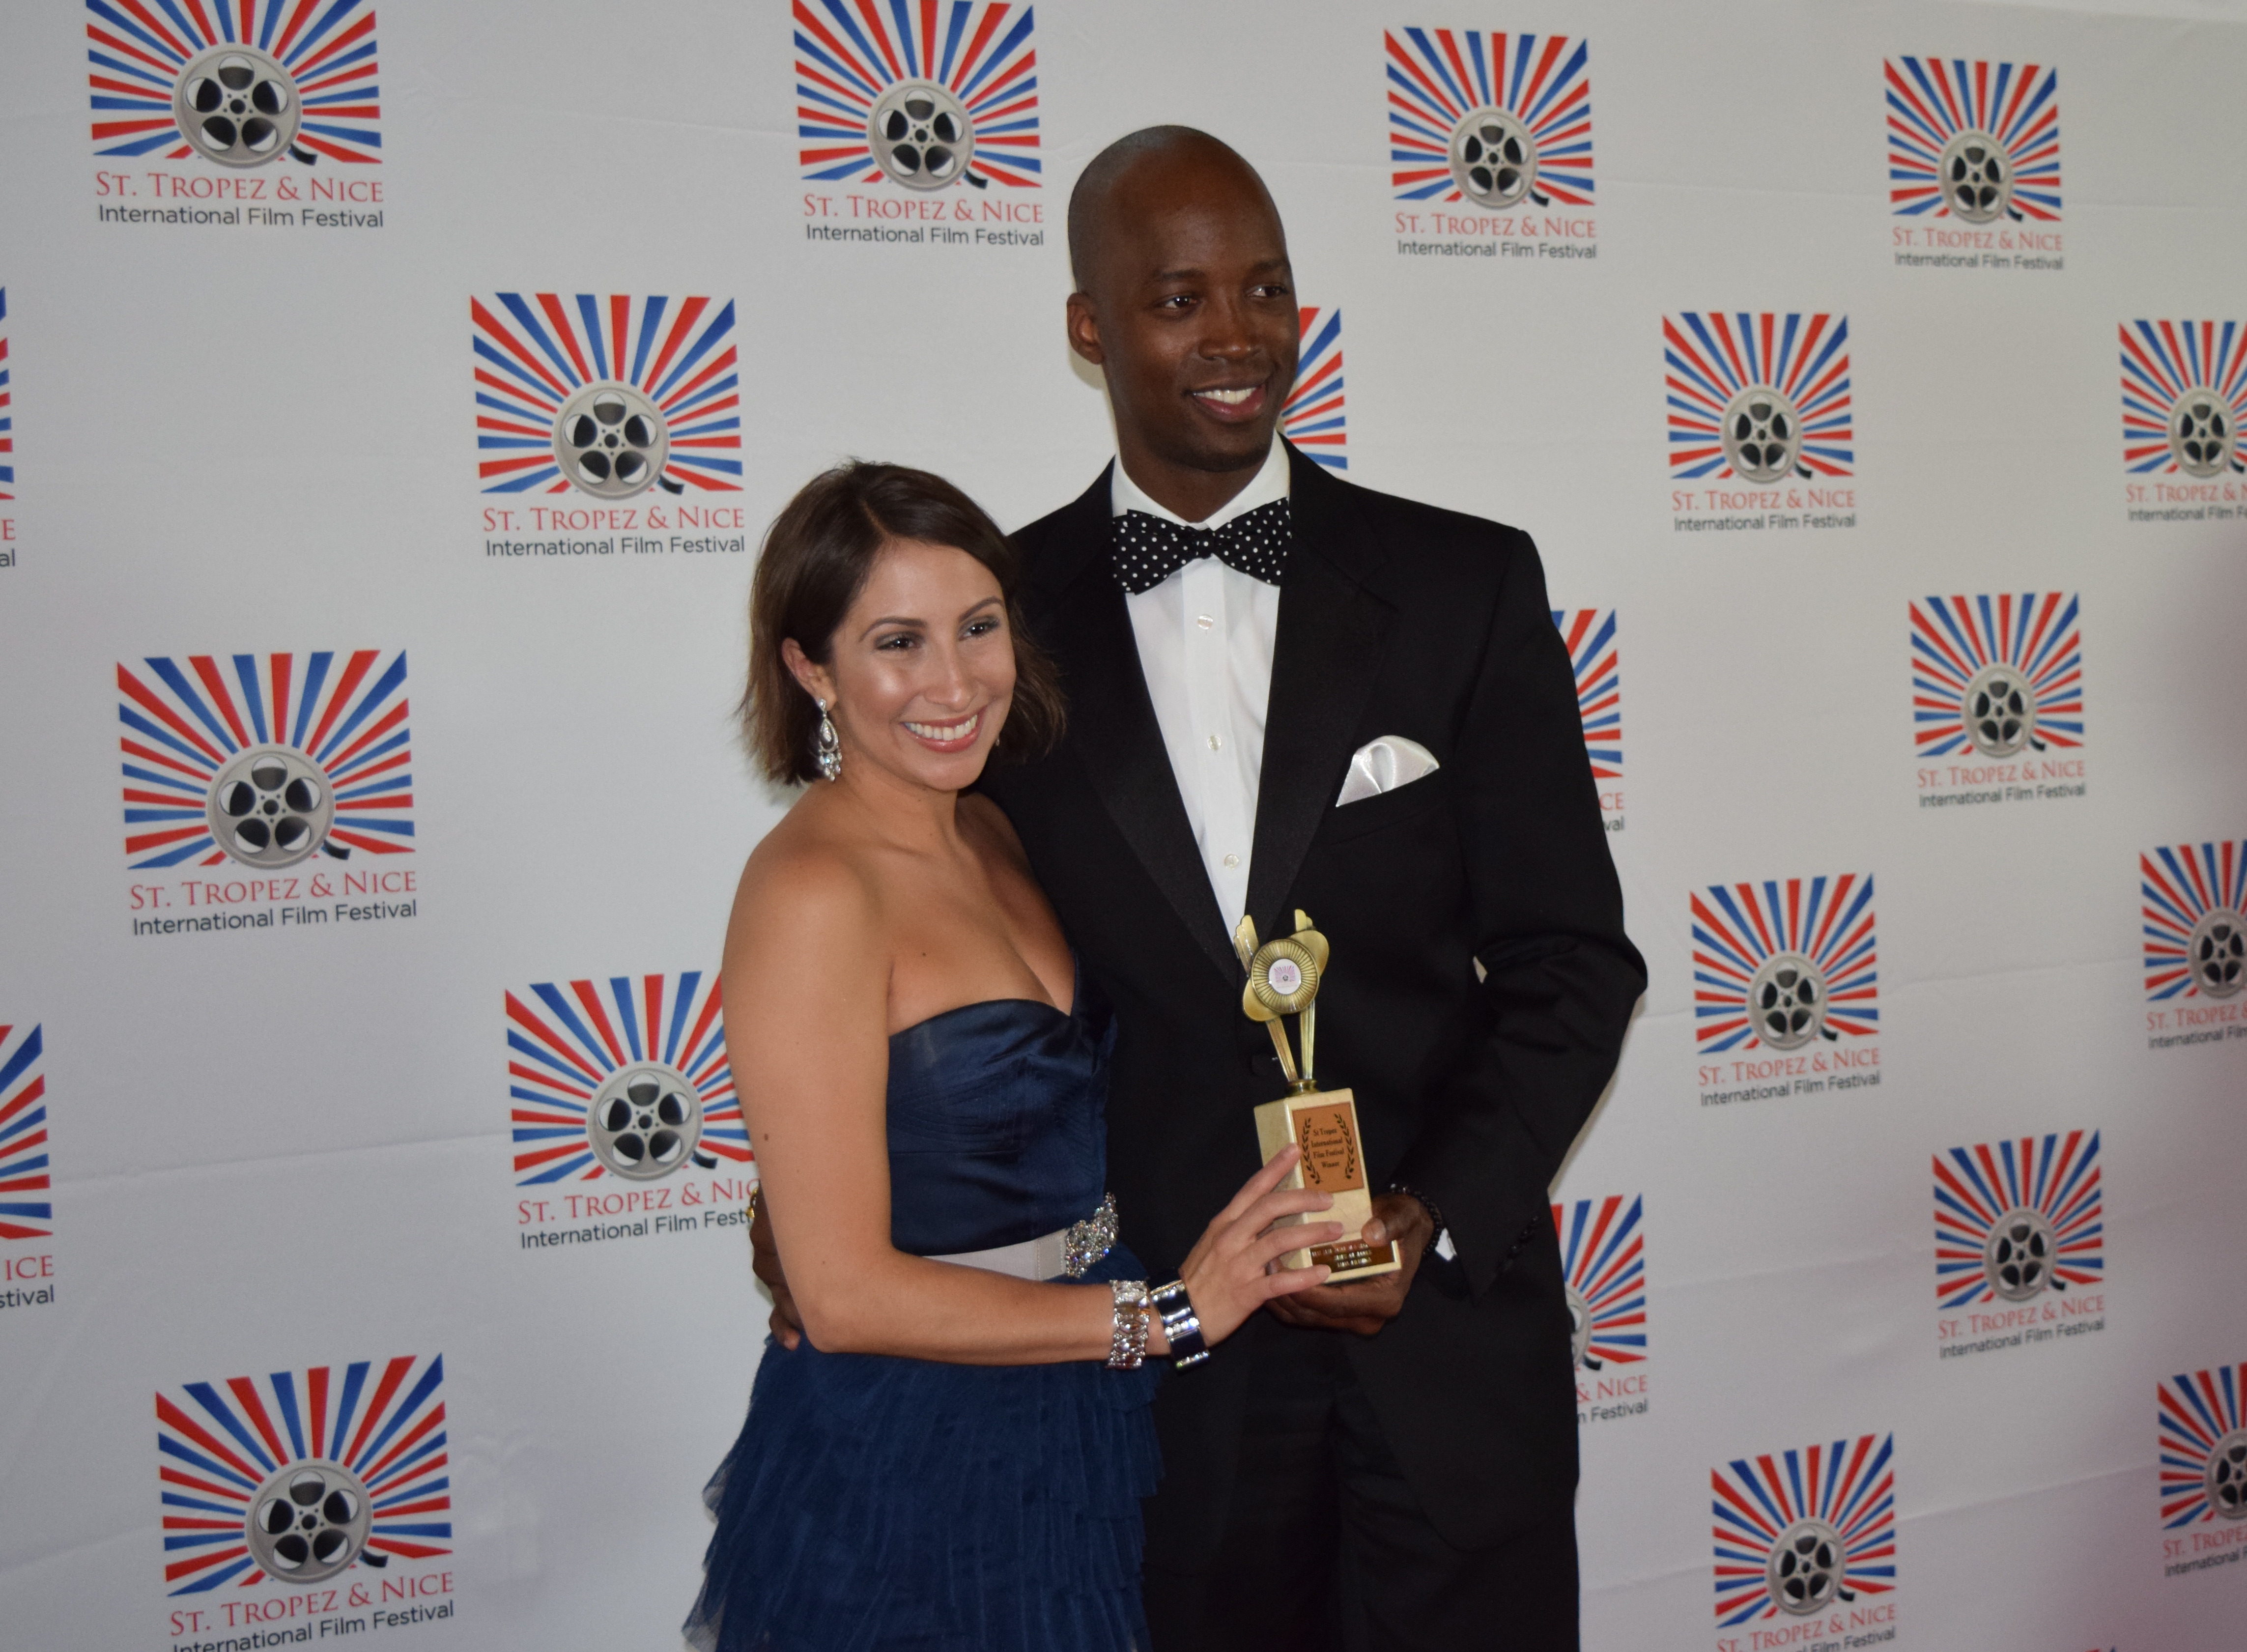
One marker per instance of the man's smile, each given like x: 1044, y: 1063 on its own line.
x: 1235, y: 404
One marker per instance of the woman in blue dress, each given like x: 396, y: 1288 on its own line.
x: 951, y: 1458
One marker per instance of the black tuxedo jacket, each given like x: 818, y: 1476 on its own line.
x: 1395, y: 618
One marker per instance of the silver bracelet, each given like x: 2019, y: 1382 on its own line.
x: 1181, y: 1325
x: 1128, y: 1347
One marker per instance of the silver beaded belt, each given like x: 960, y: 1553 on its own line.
x: 1066, y: 1251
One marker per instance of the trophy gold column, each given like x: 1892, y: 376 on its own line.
x: 1283, y: 980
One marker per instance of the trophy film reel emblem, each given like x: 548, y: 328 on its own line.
x: 2217, y: 951
x: 238, y: 107
x: 610, y: 440
x: 921, y: 135
x: 2017, y: 1257
x: 1284, y: 971
x: 1977, y: 175
x: 2226, y: 1476
x: 1786, y: 1001
x: 270, y: 806
x: 309, y: 1521
x: 1999, y: 710
x: 1762, y: 435
x: 1494, y: 159
x: 2201, y: 433
x: 645, y: 1122
x: 1283, y: 975
x: 1805, y: 1568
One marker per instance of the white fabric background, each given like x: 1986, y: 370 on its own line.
x: 278, y: 1150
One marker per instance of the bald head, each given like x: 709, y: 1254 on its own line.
x: 1185, y: 302
x: 1149, y: 170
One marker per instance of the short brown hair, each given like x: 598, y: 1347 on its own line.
x: 817, y: 558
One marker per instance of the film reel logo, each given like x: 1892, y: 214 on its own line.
x: 1589, y: 635
x: 304, y: 1475
x: 291, y: 758
x: 922, y: 97
x: 2204, y: 1448
x: 1313, y: 417
x: 1801, y: 1534
x: 239, y: 107
x: 1782, y: 965
x: 25, y: 1177
x: 1491, y: 119
x: 7, y: 408
x: 1760, y: 398
x: 637, y: 1086
x: 2195, y: 939
x: 1978, y: 142
x: 2184, y: 384
x: 2016, y: 1218
x: 1997, y: 676
x: 607, y: 397
x: 241, y: 83
x: 1604, y: 1262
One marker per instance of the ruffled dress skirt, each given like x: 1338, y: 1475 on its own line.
x: 877, y: 1504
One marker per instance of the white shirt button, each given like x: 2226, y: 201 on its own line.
x: 1231, y: 861
x: 1204, y: 621
x: 1215, y: 744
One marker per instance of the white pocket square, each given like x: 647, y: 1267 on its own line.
x: 1383, y: 765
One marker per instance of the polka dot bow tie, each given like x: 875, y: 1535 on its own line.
x: 1149, y: 550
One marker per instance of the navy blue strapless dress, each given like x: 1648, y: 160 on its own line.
x: 880, y: 1503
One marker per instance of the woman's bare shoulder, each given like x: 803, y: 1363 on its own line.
x: 803, y: 887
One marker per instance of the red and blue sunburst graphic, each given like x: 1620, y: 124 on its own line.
x: 303, y: 1475
x: 2204, y: 1447
x: 573, y: 1057
x: 7, y: 408
x: 857, y: 68
x: 540, y: 356
x: 1312, y: 416
x: 1589, y: 635
x: 1784, y: 964
x: 2026, y: 650
x: 2194, y: 901
x: 1805, y: 1531
x: 1718, y: 363
x: 2049, y: 1187
x: 307, y: 67
x: 1938, y: 106
x: 25, y: 1210
x: 1437, y: 77
x: 265, y: 759
x: 1603, y: 1259
x: 2184, y: 389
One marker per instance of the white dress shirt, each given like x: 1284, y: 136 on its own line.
x: 1205, y: 636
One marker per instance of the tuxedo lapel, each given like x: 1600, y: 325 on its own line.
x: 1328, y: 652
x: 1112, y: 726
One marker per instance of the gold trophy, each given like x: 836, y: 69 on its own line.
x: 1283, y: 980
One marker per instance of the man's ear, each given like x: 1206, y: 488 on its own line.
x: 810, y: 676
x: 1084, y: 330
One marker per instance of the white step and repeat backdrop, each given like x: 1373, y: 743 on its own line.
x: 393, y: 397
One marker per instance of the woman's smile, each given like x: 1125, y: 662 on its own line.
x: 957, y: 735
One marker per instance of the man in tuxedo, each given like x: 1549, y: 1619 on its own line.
x: 1389, y: 1463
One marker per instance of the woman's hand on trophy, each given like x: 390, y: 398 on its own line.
x: 1229, y: 1274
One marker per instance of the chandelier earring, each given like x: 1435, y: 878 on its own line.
x: 827, y: 746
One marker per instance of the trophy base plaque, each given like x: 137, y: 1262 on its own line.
x: 1324, y: 1124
